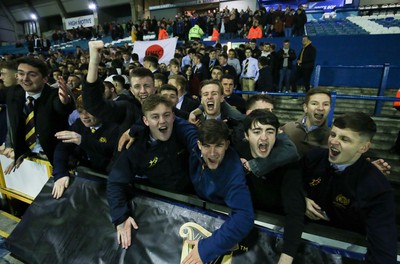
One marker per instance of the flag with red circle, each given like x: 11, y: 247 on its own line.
x: 164, y: 49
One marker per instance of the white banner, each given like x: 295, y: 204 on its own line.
x: 164, y: 49
x: 28, y: 179
x: 74, y: 22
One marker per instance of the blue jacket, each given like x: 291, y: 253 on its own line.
x: 224, y: 185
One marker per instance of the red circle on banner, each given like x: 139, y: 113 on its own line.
x: 155, y: 50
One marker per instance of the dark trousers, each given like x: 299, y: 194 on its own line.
x: 305, y: 75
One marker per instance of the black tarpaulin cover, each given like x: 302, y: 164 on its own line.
x: 77, y: 229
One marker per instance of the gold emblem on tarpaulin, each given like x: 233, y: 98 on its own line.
x: 102, y: 140
x: 315, y: 182
x: 193, y: 231
x: 153, y: 162
x: 341, y: 201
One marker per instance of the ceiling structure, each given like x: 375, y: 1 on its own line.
x: 21, y: 10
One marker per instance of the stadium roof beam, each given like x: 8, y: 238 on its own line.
x: 10, y: 18
x: 60, y: 5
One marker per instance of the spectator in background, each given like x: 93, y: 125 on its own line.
x: 255, y: 51
x: 151, y: 63
x: 217, y: 73
x: 226, y: 68
x: 255, y: 31
x: 159, y: 80
x: 228, y: 85
x: 305, y: 64
x: 299, y: 20
x: 162, y: 33
x: 195, y: 33
x: 199, y: 71
x: 249, y: 73
x: 110, y: 93
x: 74, y: 85
x: 288, y: 22
x: 264, y: 81
x: 234, y: 62
x: 8, y: 71
x: 46, y: 44
x: 278, y: 28
x: 285, y: 56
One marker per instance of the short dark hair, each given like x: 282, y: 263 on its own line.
x: 313, y: 91
x: 174, y: 62
x: 161, y: 77
x: 141, y: 73
x: 218, y: 68
x: 213, y: 131
x: 357, y: 122
x: 152, y: 59
x: 168, y: 87
x: 37, y: 63
x: 9, y: 65
x: 119, y: 78
x: 223, y: 55
x: 228, y: 76
x: 261, y: 116
x: 153, y: 101
x: 258, y: 97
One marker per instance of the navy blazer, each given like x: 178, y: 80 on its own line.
x: 51, y: 116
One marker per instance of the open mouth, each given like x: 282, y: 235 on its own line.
x: 318, y: 116
x: 163, y: 129
x: 263, y: 147
x: 212, y: 161
x: 143, y: 97
x: 334, y: 151
x: 210, y: 105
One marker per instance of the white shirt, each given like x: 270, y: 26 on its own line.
x: 252, y: 69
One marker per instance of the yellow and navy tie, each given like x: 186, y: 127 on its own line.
x: 246, y: 67
x: 30, y: 135
x: 93, y: 130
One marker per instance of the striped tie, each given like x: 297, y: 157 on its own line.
x: 211, y: 66
x: 246, y: 67
x: 30, y: 135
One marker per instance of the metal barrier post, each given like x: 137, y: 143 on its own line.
x: 317, y: 75
x: 381, y: 89
x: 333, y: 103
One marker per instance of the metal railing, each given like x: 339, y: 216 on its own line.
x: 379, y: 98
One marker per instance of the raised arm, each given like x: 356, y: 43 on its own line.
x: 121, y: 112
x: 283, y: 152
